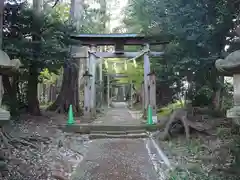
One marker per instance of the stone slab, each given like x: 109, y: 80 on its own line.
x: 121, y: 132
x: 118, y: 119
x: 87, y: 128
x: 4, y: 117
x: 119, y: 136
x: 3, y: 122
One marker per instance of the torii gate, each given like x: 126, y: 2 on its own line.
x: 118, y: 41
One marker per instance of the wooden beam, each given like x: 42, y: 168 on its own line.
x: 117, y: 86
x: 114, y: 80
x: 117, y: 83
x: 120, y: 84
x: 111, y: 39
x: 119, y: 48
x: 116, y: 55
x: 118, y: 75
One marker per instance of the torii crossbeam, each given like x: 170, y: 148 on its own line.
x: 118, y: 41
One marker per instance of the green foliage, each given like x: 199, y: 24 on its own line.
x: 134, y: 70
x: 137, y: 19
x: 38, y: 41
x: 185, y: 174
x: 95, y: 19
x: 197, y: 31
x: 135, y: 73
x: 201, y: 97
x: 53, y: 38
x: 61, y: 10
x: 167, y: 110
x: 47, y: 77
x: 228, y: 96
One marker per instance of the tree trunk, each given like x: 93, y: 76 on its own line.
x: 10, y: 89
x: 102, y: 15
x: 52, y: 93
x: 217, y: 96
x: 69, y: 91
x: 32, y: 94
x: 1, y: 21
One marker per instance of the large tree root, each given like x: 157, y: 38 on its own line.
x: 62, y: 103
x: 176, y: 116
x: 180, y: 116
x: 9, y: 143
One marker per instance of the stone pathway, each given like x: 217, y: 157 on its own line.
x: 119, y: 159
x: 119, y: 114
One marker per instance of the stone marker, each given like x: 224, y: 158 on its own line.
x: 7, y: 67
x: 230, y: 66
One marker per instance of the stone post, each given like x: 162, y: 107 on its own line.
x: 6, y: 63
x: 235, y: 111
x: 236, y: 88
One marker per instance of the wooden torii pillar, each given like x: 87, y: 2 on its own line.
x: 149, y: 84
x: 101, y: 83
x: 92, y: 70
x: 114, y: 78
x: 146, y: 80
x: 131, y: 92
x: 108, y: 91
x: 118, y: 40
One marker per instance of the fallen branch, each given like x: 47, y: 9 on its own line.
x: 23, y: 142
x: 77, y: 152
x: 36, y: 138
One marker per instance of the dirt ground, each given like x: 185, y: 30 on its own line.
x: 206, y: 156
x: 40, y: 150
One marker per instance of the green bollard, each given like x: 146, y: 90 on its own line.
x: 149, y: 117
x: 70, y: 116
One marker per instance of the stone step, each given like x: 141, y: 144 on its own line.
x: 119, y: 132
x: 4, y: 117
x: 87, y: 128
x: 120, y: 136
